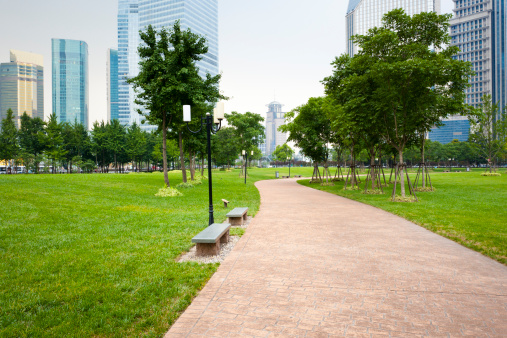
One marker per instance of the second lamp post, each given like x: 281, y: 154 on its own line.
x: 245, y: 155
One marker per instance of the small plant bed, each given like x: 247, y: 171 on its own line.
x: 352, y: 188
x: 184, y: 185
x: 491, y: 174
x: 168, y: 192
x: 373, y: 192
x: 406, y: 199
x: 425, y: 189
x: 329, y: 184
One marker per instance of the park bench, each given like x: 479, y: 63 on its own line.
x: 225, y: 202
x: 297, y: 175
x: 237, y: 216
x: 208, y: 241
x: 285, y: 176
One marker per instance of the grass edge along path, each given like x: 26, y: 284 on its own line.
x: 466, y: 207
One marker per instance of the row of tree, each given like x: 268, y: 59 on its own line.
x: 384, y: 100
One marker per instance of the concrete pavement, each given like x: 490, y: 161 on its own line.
x: 312, y: 264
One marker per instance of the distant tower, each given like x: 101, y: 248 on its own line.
x: 112, y: 84
x: 22, y: 85
x: 274, y: 119
x: 70, y: 80
x: 365, y: 14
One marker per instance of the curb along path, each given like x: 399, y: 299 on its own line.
x: 312, y: 264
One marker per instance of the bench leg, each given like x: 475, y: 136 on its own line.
x: 208, y: 249
x: 245, y: 216
x: 236, y: 220
x: 225, y: 237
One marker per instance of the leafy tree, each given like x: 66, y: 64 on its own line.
x: 9, y: 145
x: 168, y: 79
x: 99, y: 144
x: 248, y: 130
x: 77, y: 141
x: 225, y: 146
x: 416, y: 81
x: 135, y: 143
x: 115, y: 140
x: 53, y: 140
x: 489, y: 131
x: 283, y: 152
x: 310, y: 130
x: 29, y: 138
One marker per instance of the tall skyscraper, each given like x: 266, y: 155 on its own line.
x: 70, y: 80
x: 112, y: 84
x: 274, y: 119
x: 201, y: 16
x: 365, y: 14
x: 22, y: 85
x: 478, y: 28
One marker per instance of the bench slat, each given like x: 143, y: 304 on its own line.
x: 237, y: 212
x: 212, y: 233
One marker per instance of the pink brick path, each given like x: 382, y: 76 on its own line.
x: 312, y: 264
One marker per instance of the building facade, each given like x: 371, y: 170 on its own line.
x: 201, y: 16
x: 478, y: 29
x: 365, y: 14
x: 112, y: 84
x: 70, y: 80
x: 274, y: 119
x: 22, y: 85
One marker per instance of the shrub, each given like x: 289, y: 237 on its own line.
x: 184, y: 185
x: 168, y: 192
x: 491, y: 174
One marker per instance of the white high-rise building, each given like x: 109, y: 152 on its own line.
x: 274, y: 119
x: 365, y: 14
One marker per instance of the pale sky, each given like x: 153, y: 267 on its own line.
x: 268, y: 48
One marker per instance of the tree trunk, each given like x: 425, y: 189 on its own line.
x: 423, y: 181
x: 182, y: 157
x: 202, y: 166
x: 192, y: 165
x: 70, y: 167
x: 402, y: 180
x: 164, y: 150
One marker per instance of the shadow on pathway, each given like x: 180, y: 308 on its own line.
x: 312, y: 264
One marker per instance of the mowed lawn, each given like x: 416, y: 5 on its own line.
x: 466, y: 207
x: 94, y: 255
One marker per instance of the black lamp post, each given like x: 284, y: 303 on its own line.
x: 289, y: 159
x: 212, y: 126
x: 245, y: 155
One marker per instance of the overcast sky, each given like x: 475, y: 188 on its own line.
x: 268, y: 48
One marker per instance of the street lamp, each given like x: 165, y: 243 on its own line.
x: 218, y: 116
x: 245, y: 156
x: 288, y: 159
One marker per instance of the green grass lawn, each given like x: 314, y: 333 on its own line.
x: 466, y: 207
x: 94, y: 255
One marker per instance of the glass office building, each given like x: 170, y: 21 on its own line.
x: 22, y: 85
x: 112, y: 84
x: 70, y: 80
x: 201, y: 16
x: 478, y: 29
x: 365, y: 14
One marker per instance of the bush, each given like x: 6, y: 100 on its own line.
x: 184, y: 185
x: 168, y: 192
x: 491, y: 174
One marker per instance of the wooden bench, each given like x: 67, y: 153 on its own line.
x: 285, y: 176
x: 208, y: 241
x: 237, y: 216
x: 297, y: 175
x: 225, y: 202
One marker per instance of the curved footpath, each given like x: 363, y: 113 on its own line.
x: 312, y: 264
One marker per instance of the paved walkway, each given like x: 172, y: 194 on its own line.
x: 312, y: 264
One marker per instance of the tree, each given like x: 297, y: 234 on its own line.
x: 248, y: 130
x: 9, y: 145
x: 310, y: 130
x: 168, y: 79
x: 283, y: 152
x: 225, y: 146
x: 29, y: 138
x: 135, y: 143
x: 416, y: 81
x: 489, y: 131
x: 53, y: 141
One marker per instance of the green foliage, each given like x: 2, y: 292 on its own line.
x: 248, y: 130
x: 184, y: 185
x: 309, y: 129
x: 9, y: 146
x: 282, y: 153
x: 226, y: 146
x: 489, y: 130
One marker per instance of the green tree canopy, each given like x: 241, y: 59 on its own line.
x: 9, y: 145
x: 169, y: 78
x: 283, y: 152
